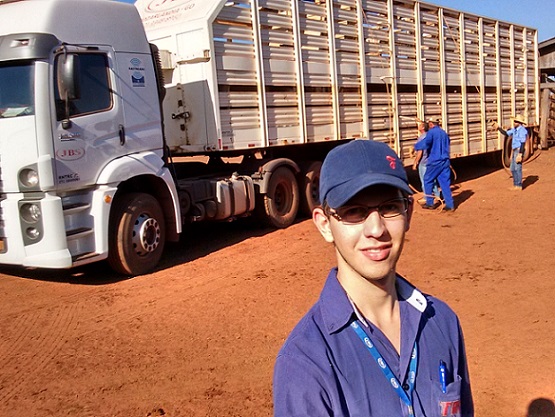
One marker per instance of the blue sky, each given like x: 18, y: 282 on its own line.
x: 539, y: 14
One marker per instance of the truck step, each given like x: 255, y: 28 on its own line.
x: 79, y: 233
x: 82, y: 257
x: 76, y: 208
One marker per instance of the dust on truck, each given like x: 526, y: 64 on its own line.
x: 100, y: 160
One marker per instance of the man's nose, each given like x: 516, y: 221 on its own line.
x: 374, y: 224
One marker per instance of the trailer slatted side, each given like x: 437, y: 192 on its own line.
x: 296, y: 71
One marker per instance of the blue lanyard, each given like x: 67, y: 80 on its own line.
x: 406, y: 396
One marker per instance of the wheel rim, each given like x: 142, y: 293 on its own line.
x: 146, y: 235
x: 282, y: 199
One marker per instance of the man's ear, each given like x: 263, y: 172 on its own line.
x: 409, y: 213
x: 322, y: 223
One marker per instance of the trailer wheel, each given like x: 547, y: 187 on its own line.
x: 281, y: 201
x: 529, y: 146
x: 137, y: 234
x: 311, y: 188
x: 507, y: 149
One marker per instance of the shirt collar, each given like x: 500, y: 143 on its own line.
x: 337, y: 308
x: 411, y: 294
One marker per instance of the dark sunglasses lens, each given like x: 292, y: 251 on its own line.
x: 358, y: 214
x: 354, y: 214
x: 392, y: 208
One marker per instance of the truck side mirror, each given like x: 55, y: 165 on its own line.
x: 67, y: 74
x: 68, y: 77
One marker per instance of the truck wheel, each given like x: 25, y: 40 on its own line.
x: 507, y: 149
x: 137, y: 234
x: 281, y: 202
x: 529, y: 147
x: 311, y: 188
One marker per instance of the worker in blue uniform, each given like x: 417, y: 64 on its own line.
x: 420, y: 162
x: 437, y: 144
x: 373, y: 345
x: 519, y: 135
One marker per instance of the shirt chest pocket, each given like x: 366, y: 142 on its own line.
x: 448, y: 403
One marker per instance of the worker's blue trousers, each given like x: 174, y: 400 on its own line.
x: 440, y: 171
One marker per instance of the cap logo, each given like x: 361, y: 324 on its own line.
x: 391, y: 161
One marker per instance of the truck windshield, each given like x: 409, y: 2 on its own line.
x: 16, y: 90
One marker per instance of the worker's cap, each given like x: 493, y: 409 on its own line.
x: 434, y: 121
x: 354, y: 166
x: 519, y: 118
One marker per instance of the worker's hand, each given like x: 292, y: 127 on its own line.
x: 415, y: 166
x: 518, y: 159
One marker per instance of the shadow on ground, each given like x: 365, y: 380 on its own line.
x: 541, y: 407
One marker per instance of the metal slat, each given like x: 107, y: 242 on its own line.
x: 277, y: 5
x: 235, y: 15
x: 267, y: 18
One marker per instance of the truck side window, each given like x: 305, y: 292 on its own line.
x: 17, y: 90
x: 94, y: 86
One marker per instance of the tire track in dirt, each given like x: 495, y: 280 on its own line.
x: 33, y: 346
x: 34, y: 334
x: 22, y: 326
x: 33, y: 337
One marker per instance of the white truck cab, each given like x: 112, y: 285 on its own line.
x: 79, y: 117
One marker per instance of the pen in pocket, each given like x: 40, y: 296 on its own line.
x: 442, y: 377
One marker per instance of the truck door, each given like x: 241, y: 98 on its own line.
x: 138, y: 88
x: 88, y: 128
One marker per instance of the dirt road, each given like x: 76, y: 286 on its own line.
x: 199, y: 336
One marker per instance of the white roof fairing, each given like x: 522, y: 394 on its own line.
x: 161, y: 18
x: 87, y: 22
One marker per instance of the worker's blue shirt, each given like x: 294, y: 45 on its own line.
x: 324, y: 369
x: 436, y: 143
x: 424, y: 158
x: 519, y: 135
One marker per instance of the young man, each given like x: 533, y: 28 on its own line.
x: 437, y: 144
x: 519, y: 137
x: 372, y: 345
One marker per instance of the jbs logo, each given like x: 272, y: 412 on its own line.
x: 70, y: 154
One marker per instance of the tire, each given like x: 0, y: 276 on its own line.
x: 136, y: 234
x: 310, y: 197
x: 529, y: 146
x: 280, y: 204
x: 507, y: 149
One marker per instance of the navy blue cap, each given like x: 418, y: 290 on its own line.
x: 354, y: 166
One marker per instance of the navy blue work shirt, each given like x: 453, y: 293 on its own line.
x: 324, y: 369
x: 437, y: 143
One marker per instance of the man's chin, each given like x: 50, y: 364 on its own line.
x: 380, y: 279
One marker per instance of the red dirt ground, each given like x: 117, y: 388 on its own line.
x: 198, y: 337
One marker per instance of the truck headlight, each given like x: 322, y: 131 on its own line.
x: 30, y: 212
x: 31, y: 222
x: 29, y: 178
x: 32, y: 233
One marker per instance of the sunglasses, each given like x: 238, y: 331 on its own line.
x: 355, y: 214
